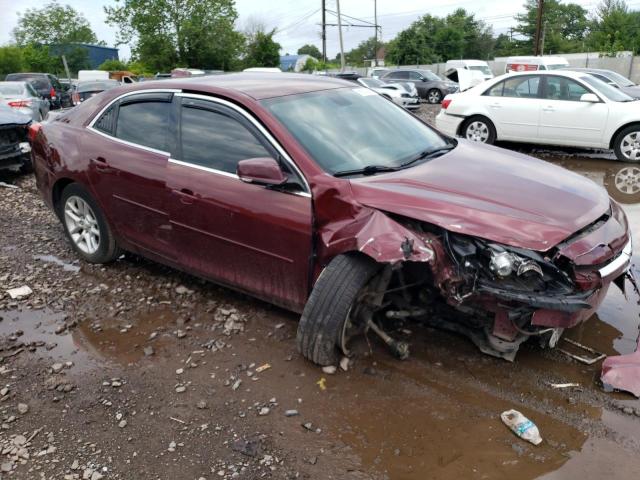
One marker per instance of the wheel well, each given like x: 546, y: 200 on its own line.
x: 615, y: 135
x: 56, y: 192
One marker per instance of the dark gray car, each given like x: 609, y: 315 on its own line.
x: 612, y: 78
x: 430, y: 86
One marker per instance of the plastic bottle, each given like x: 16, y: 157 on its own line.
x: 521, y: 426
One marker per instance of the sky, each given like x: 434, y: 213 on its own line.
x: 298, y: 21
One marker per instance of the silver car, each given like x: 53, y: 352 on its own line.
x: 23, y: 98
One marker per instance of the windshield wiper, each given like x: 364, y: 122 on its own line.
x: 368, y: 170
x: 427, y: 154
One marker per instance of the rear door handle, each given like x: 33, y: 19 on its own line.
x: 495, y: 105
x: 548, y: 109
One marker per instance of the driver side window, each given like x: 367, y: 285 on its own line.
x: 212, y: 137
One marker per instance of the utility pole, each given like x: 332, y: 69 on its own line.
x: 375, y: 20
x: 544, y: 34
x: 538, y: 37
x: 324, y: 31
x: 340, y: 36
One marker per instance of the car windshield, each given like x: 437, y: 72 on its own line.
x: 352, y: 129
x: 429, y: 75
x: 97, y: 86
x: 607, y: 90
x: 481, y: 68
x: 372, y: 82
x: 619, y: 79
x: 556, y: 66
x: 11, y: 89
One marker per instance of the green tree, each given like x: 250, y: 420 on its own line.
x: 11, y: 60
x: 262, y: 50
x: 309, y: 49
x: 53, y: 24
x: 170, y: 33
x: 565, y: 26
x: 366, y: 50
x: 615, y: 28
x: 112, y: 65
x: 434, y: 39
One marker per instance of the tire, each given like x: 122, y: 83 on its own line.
x: 479, y: 129
x: 101, y: 250
x: 434, y: 96
x: 627, y: 144
x: 326, y: 311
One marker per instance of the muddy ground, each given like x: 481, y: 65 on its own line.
x: 136, y: 371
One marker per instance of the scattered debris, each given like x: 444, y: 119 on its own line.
x: 587, y: 360
x: 564, y: 385
x: 23, y: 408
x: 149, y: 351
x: 329, y: 369
x: 322, y: 383
x: 521, y: 426
x: 344, y: 363
x: 8, y: 185
x: 262, y: 368
x: 622, y: 372
x: 20, y: 292
x: 291, y: 413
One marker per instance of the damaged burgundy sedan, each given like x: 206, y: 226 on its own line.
x: 331, y: 201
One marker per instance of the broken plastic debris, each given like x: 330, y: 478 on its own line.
x: 322, y: 383
x: 262, y: 368
x: 564, y: 385
x: 622, y: 372
x: 20, y: 292
x: 521, y: 426
x: 8, y: 185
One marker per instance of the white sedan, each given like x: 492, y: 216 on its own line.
x: 393, y: 91
x: 552, y: 108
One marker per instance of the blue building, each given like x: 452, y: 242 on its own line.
x: 96, y: 54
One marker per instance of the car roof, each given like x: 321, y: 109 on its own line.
x: 563, y: 73
x: 31, y: 74
x: 257, y: 85
x: 14, y: 82
x: 587, y: 70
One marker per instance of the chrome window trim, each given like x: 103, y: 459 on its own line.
x: 119, y: 140
x: 223, y: 173
x: 274, y: 143
x: 622, y: 259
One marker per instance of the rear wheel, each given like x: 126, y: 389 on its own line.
x: 334, y: 297
x: 86, y: 226
x: 627, y: 144
x: 434, y: 96
x: 479, y: 129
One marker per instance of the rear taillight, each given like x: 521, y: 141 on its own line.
x: 445, y: 103
x: 19, y: 103
x: 52, y: 92
x: 75, y: 98
x: 34, y: 128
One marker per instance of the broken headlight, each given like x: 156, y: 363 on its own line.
x: 502, y: 266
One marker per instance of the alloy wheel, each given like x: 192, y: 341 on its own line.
x: 627, y: 180
x: 434, y: 96
x: 477, y: 131
x: 630, y: 146
x: 82, y: 225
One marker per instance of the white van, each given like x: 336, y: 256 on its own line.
x: 84, y: 75
x: 475, y: 65
x: 530, y: 64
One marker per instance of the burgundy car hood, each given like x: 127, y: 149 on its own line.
x: 491, y: 193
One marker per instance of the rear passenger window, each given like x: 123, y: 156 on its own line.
x: 521, y: 87
x: 107, y: 122
x: 144, y: 123
x: 213, y: 139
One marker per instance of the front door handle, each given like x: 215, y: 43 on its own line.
x: 101, y: 164
x: 495, y: 105
x: 187, y: 197
x: 548, y: 109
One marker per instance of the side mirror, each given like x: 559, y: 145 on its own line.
x: 423, y: 79
x: 590, y: 98
x: 261, y: 171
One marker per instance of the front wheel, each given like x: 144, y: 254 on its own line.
x: 434, y: 96
x: 627, y: 144
x: 86, y: 226
x: 479, y: 129
x: 334, y: 296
